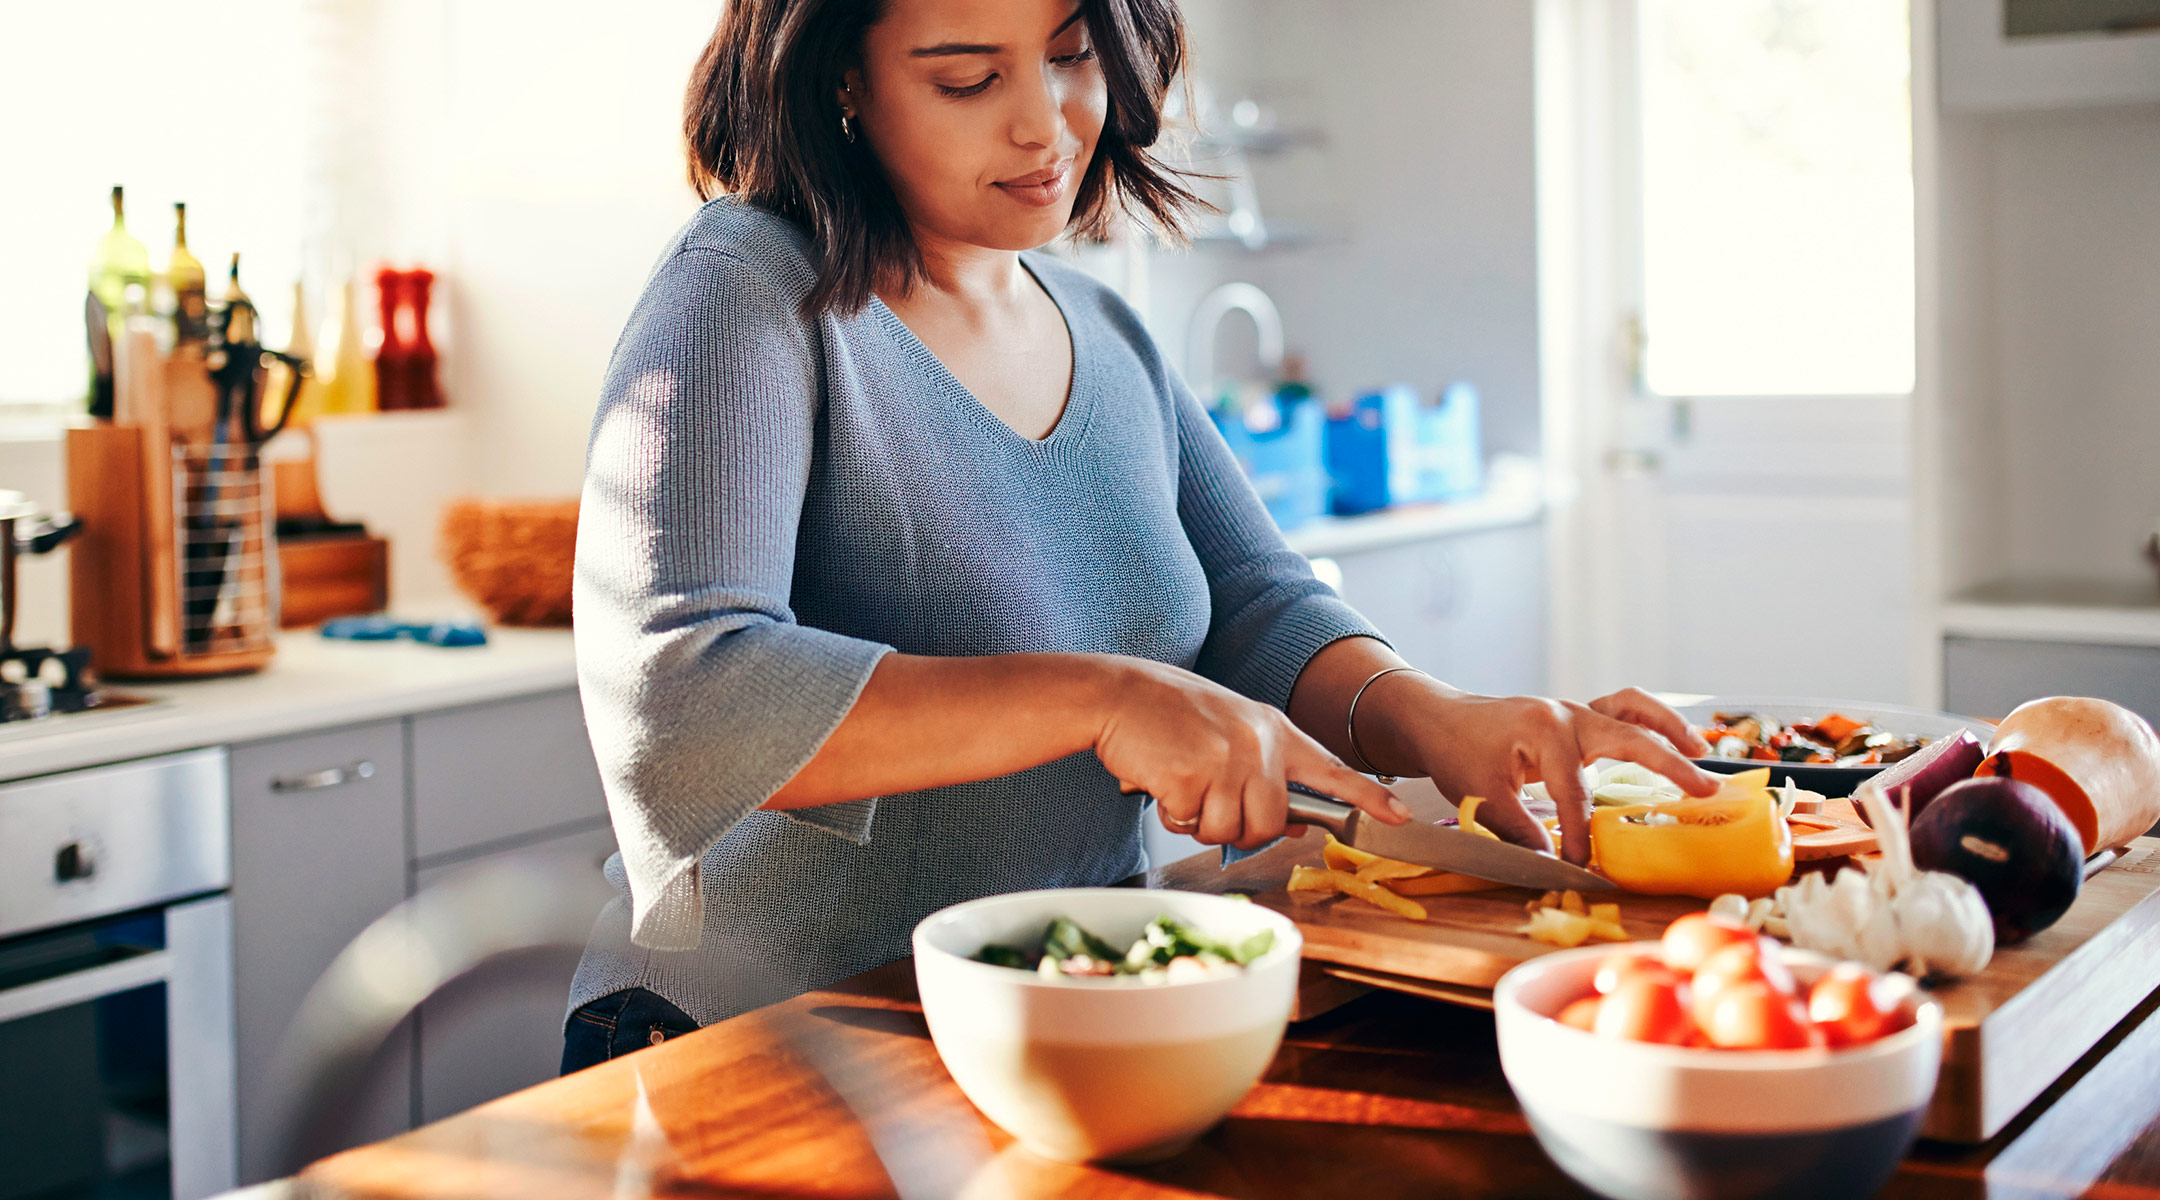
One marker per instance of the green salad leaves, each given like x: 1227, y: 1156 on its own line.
x: 1166, y: 949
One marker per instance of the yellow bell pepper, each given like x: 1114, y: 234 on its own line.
x: 1731, y: 842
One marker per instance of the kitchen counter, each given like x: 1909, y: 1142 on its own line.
x: 2102, y: 613
x: 1514, y: 494
x: 1386, y: 1096
x: 313, y: 683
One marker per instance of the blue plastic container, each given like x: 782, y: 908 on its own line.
x: 1278, y: 441
x: 1393, y: 447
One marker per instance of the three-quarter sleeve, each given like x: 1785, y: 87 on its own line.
x: 703, y: 695
x: 1270, y: 616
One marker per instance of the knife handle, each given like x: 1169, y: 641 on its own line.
x: 1318, y: 809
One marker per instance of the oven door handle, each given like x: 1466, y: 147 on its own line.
x: 91, y: 983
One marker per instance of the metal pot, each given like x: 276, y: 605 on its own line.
x: 24, y: 530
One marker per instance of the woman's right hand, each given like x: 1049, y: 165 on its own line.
x: 1215, y: 761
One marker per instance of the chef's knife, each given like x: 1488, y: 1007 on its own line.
x: 1442, y: 846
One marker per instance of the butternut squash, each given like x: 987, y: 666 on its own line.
x: 2098, y: 761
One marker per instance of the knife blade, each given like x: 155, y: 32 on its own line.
x: 1442, y: 846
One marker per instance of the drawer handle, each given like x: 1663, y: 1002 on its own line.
x: 73, y: 863
x: 328, y: 777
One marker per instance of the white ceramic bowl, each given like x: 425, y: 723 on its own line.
x: 1637, y: 1121
x: 1090, y: 1069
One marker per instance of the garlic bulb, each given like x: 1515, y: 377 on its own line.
x: 1931, y: 922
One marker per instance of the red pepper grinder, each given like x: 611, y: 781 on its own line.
x: 419, y: 348
x: 393, y: 390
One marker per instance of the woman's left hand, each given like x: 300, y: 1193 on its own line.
x: 1492, y: 746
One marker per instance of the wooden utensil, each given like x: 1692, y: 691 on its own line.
x: 143, y: 401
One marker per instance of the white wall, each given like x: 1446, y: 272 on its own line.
x: 1423, y: 188
x: 567, y: 177
x: 567, y: 182
x: 528, y: 153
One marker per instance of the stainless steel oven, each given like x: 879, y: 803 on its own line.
x: 116, y: 1013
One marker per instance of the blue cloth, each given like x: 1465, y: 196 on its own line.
x: 773, y: 503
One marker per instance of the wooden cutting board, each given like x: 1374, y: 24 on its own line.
x: 2009, y: 1032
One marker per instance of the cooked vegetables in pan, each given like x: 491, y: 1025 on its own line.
x: 1836, y: 739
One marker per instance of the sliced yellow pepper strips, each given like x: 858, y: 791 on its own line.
x: 1466, y: 818
x: 1345, y: 858
x: 1731, y: 842
x: 1443, y: 883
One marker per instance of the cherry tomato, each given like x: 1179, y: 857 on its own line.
x: 1759, y: 960
x: 1852, y: 1005
x: 1752, y: 1015
x: 1697, y: 936
x: 1582, y: 1014
x: 1622, y: 963
x: 1645, y: 1008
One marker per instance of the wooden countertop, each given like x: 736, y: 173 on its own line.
x: 1387, y: 1096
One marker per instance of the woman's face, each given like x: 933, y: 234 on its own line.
x: 985, y: 114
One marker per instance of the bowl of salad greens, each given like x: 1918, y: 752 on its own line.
x: 1106, y: 1023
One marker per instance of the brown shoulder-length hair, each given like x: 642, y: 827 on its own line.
x: 762, y: 119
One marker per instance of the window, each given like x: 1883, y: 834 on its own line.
x: 1777, y: 197
x: 190, y: 102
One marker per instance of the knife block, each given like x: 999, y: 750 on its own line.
x: 170, y: 577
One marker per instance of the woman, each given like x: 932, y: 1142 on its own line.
x: 907, y: 570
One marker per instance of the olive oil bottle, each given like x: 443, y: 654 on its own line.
x: 119, y: 264
x: 190, y: 287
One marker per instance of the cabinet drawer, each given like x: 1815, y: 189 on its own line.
x: 112, y: 838
x: 1987, y: 677
x: 500, y: 771
x: 318, y: 851
x: 500, y: 1028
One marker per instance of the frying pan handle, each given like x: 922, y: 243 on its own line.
x: 1322, y: 811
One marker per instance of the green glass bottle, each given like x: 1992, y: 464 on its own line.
x: 120, y: 262
x: 190, y: 287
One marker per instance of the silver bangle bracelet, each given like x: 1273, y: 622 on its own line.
x: 1350, y: 726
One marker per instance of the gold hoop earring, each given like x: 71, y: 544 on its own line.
x: 847, y: 126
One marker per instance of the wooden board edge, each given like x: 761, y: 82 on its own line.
x: 1321, y: 991
x: 1973, y: 1101
x: 1446, y: 993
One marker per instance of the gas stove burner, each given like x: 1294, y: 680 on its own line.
x: 38, y: 682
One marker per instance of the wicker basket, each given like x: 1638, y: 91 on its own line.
x: 513, y: 557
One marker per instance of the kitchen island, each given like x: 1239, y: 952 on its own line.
x: 1387, y: 1095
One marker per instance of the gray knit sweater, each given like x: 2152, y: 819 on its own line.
x: 772, y: 503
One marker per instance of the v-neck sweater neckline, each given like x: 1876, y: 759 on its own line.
x: 1079, y: 409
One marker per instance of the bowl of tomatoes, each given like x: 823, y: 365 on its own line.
x: 1717, y: 1064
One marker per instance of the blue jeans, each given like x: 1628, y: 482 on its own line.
x: 617, y: 1024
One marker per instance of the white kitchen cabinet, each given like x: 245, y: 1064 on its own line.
x: 318, y: 851
x: 1984, y: 69
x: 500, y: 1028
x: 1468, y: 608
x: 1987, y: 677
x: 493, y: 782
x: 333, y: 829
x: 491, y: 774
